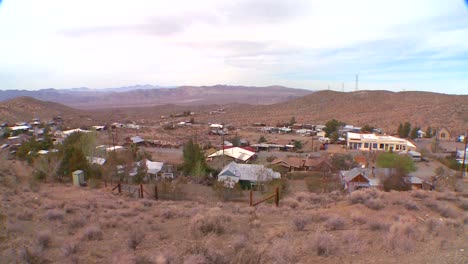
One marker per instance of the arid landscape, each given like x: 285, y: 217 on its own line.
x: 233, y: 132
x: 56, y: 223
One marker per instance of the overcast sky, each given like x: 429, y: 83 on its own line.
x: 392, y: 45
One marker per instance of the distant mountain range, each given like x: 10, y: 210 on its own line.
x: 382, y: 109
x: 147, y: 95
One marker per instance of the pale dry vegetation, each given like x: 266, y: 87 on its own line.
x: 79, y: 225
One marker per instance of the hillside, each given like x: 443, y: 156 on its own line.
x: 25, y: 108
x: 148, y: 95
x: 378, y: 108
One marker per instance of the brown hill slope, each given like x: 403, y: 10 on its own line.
x: 25, y: 108
x: 379, y: 108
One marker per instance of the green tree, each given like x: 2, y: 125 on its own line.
x: 429, y: 132
x: 414, y: 132
x: 297, y: 144
x: 141, y: 172
x: 332, y: 126
x: 194, y: 159
x: 236, y: 141
x: 400, y: 166
x: 367, y: 128
x: 292, y: 121
x: 262, y: 139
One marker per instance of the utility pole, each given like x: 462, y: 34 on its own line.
x: 357, y: 82
x: 222, y: 143
x: 463, y: 172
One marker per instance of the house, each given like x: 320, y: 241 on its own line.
x: 443, y: 134
x: 321, y: 134
x: 318, y: 164
x: 18, y: 139
x: 415, y: 182
x: 361, y: 160
x: 99, y: 128
x: 216, y: 126
x: 421, y: 134
x: 303, y: 163
x: 137, y: 140
x: 416, y: 156
x: 154, y: 168
x: 235, y: 153
x: 20, y: 128
x: 66, y: 133
x: 246, y: 175
x: 290, y: 163
x: 366, y: 142
x: 358, y: 178
x: 96, y: 160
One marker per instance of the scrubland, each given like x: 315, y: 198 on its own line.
x: 57, y: 223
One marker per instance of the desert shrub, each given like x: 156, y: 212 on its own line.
x: 246, y: 255
x: 447, y: 211
x: 143, y: 260
x: 213, y: 221
x: 377, y: 224
x: 76, y: 223
x: 195, y: 259
x: 300, y: 223
x: 318, y: 217
x: 168, y: 214
x: 323, y: 244
x: 444, y: 210
x: 290, y: 202
x: 463, y: 204
x: 26, y: 215
x: 420, y: 194
x: 401, y: 237
x: 135, y: 239
x: 69, y: 248
x: 354, y: 241
x: 335, y: 223
x: 433, y: 226
x: 363, y: 195
x: 55, y: 214
x: 374, y: 204
x: 411, y: 206
x: 94, y: 183
x: 147, y: 203
x: 270, y: 158
x: 226, y: 193
x: 447, y: 196
x: 358, y: 219
x: 44, y: 238
x: 93, y: 233
x: 32, y: 255
x: 465, y: 220
x: 281, y: 251
x: 170, y: 190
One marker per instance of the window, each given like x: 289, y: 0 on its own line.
x: 381, y: 146
x: 442, y: 135
x: 374, y: 146
x: 366, y: 145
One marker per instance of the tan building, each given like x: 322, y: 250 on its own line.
x: 443, y: 134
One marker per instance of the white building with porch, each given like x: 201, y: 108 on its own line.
x: 366, y: 142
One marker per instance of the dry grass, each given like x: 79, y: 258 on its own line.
x: 213, y: 221
x: 321, y: 228
x: 93, y: 233
x: 335, y: 223
x: 323, y: 244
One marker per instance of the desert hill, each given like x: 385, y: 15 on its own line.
x: 378, y: 108
x: 148, y: 95
x: 25, y: 108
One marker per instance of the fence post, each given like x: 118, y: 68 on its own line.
x: 251, y: 197
x: 141, y: 190
x: 119, y: 187
x: 277, y: 197
x: 155, y: 191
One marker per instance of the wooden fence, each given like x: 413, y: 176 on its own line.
x: 275, y: 195
x: 134, y: 190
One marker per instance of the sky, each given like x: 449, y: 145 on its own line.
x: 392, y: 45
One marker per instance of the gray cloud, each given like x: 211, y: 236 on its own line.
x: 265, y: 11
x: 158, y: 26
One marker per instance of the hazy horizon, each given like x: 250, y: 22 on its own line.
x: 314, y: 45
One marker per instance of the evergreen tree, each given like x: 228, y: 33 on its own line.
x: 414, y: 132
x: 429, y: 132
